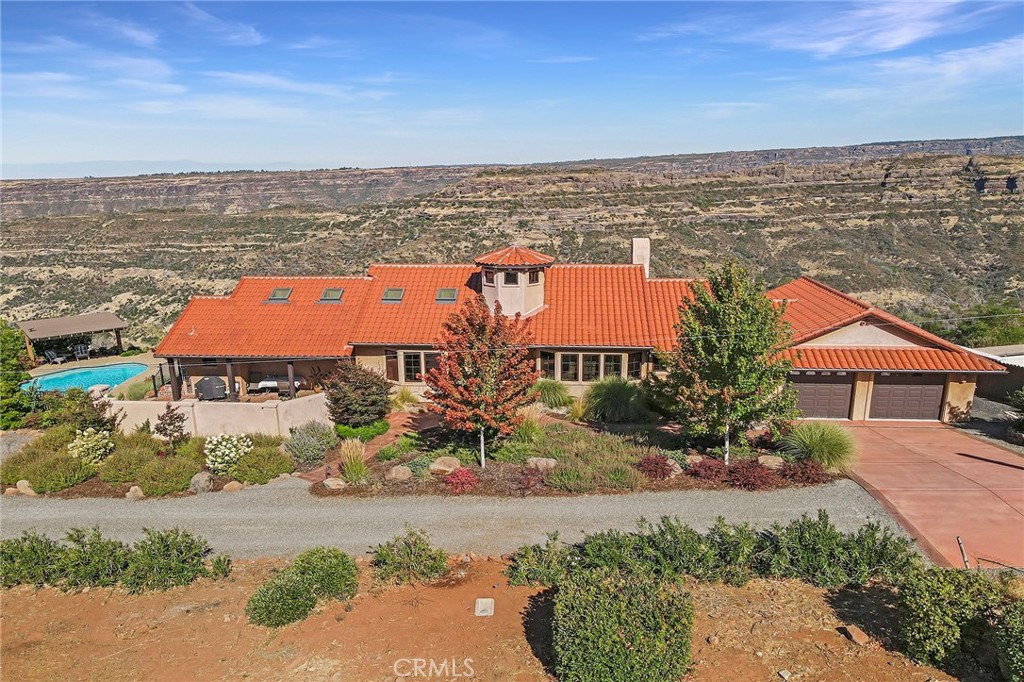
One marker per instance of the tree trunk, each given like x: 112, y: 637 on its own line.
x: 482, y: 454
x: 727, y: 442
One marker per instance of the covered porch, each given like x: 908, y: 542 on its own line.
x: 57, y: 338
x: 245, y: 379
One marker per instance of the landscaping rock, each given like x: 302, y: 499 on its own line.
x: 25, y: 488
x: 11, y: 491
x: 442, y: 466
x: 398, y: 473
x: 855, y: 634
x: 542, y: 464
x: 134, y: 493
x: 334, y: 483
x: 283, y: 477
x: 771, y: 461
x: 693, y: 459
x: 676, y: 470
x: 232, y: 487
x: 1014, y: 436
x: 201, y: 483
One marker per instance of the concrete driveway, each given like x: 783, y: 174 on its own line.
x: 940, y: 483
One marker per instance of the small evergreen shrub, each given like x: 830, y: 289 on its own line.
x: 364, y: 433
x: 310, y: 441
x: 619, y: 477
x: 91, y: 560
x: 513, y: 452
x: 615, y: 400
x: 420, y: 467
x: 165, y: 475
x: 405, y: 444
x: 164, y: 559
x: 285, y: 598
x: 804, y: 472
x: 32, y: 559
x: 262, y: 465
x: 137, y: 440
x: 539, y: 564
x: 938, y: 607
x: 1010, y: 641
x: 611, y: 627
x: 125, y: 465
x: 329, y: 572
x: 409, y: 558
x: 223, y: 452
x: 356, y: 395
x: 709, y: 469
x: 170, y: 425
x: 529, y: 432
x: 748, y: 474
x: 265, y: 440
x: 462, y: 480
x: 655, y: 467
x: 552, y: 393
x: 569, y: 479
x: 91, y: 446
x: 194, y: 449
x: 57, y: 473
x: 220, y: 566
x: 829, y: 445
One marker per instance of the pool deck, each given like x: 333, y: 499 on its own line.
x: 146, y: 359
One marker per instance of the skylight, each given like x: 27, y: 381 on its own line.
x: 332, y: 295
x: 393, y: 295
x: 446, y: 295
x: 280, y: 295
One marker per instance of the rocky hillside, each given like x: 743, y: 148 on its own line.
x: 912, y: 232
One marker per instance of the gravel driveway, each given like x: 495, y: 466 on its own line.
x: 282, y: 518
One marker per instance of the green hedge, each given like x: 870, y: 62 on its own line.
x: 285, y: 598
x: 1010, y: 639
x: 167, y: 475
x: 262, y: 465
x: 330, y: 573
x: 409, y: 558
x: 614, y: 627
x: 363, y: 433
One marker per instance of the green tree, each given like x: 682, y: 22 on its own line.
x: 726, y: 372
x: 988, y: 324
x: 14, y: 404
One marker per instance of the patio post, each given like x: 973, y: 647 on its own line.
x: 291, y: 379
x: 117, y: 341
x: 232, y: 393
x: 29, y: 349
x: 175, y: 379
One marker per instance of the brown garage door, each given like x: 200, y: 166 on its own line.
x: 907, y: 396
x: 825, y: 396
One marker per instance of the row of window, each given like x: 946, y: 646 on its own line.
x: 588, y: 367
x: 511, y: 277
x: 390, y: 295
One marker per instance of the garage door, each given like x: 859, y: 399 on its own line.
x: 907, y: 396
x: 824, y: 396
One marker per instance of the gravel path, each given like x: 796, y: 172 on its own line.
x: 282, y: 518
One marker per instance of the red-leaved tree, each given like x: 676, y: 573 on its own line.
x: 485, y: 373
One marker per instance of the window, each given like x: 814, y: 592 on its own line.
x: 635, y: 365
x: 280, y: 295
x: 570, y: 367
x: 591, y: 367
x: 547, y: 364
x: 511, y: 279
x: 391, y: 364
x: 534, y: 276
x: 393, y: 295
x: 413, y: 366
x: 331, y: 295
x: 613, y: 365
x: 489, y: 277
x: 431, y: 361
x: 446, y: 295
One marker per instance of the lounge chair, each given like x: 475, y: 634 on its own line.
x: 53, y: 358
x: 81, y: 352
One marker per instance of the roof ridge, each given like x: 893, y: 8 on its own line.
x: 422, y: 265
x: 836, y: 292
x: 310, y: 277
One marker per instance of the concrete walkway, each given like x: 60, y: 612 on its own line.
x: 941, y: 483
x: 282, y: 518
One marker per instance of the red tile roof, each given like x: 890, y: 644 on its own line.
x: 887, y: 359
x: 514, y: 256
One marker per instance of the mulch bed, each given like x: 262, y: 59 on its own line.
x: 94, y: 487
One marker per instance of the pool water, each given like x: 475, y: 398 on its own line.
x: 85, y: 377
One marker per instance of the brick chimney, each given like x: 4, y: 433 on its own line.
x: 642, y: 254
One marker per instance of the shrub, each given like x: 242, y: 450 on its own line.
x: 409, y: 558
x: 265, y: 440
x: 223, y: 452
x: 137, y: 440
x: 56, y: 473
x: 552, y: 393
x: 569, y: 479
x: 285, y: 598
x: 171, y: 425
x: 136, y: 391
x: 513, y: 452
x: 406, y: 443
x: 125, y: 465
x: 539, y: 564
x: 355, y: 471
x: 165, y: 475
x: 1010, y: 641
x: 462, y: 480
x: 220, y: 566
x: 420, y: 467
x: 194, y: 449
x: 91, y: 446
x: 262, y: 465
x: 77, y: 408
x: 615, y: 400
x: 329, y: 572
x: 310, y: 441
x: 937, y: 605
x: 164, y: 559
x: 611, y: 627
x: 829, y: 445
x: 404, y: 398
x: 92, y: 560
x: 356, y: 395
x: 748, y: 474
x: 364, y: 433
x: 529, y: 432
x: 32, y: 559
x: 655, y: 467
x: 52, y: 442
x: 804, y: 472
x: 1016, y: 401
x: 619, y: 476
x: 528, y: 480
x: 709, y: 469
x: 578, y: 410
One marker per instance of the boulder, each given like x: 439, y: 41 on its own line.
x: 771, y: 461
x: 693, y: 459
x: 442, y: 466
x: 232, y: 487
x: 677, y: 470
x: 134, y: 493
x: 334, y: 483
x: 283, y: 477
x: 1014, y: 436
x: 11, y: 491
x: 855, y: 634
x: 542, y: 464
x: 25, y: 488
x: 201, y: 483
x: 398, y: 473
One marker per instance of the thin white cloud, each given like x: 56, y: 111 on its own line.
x: 229, y: 32
x: 126, y: 30
x: 135, y: 68
x: 149, y: 86
x: 51, y: 45
x: 48, y: 84
x: 268, y: 81
x: 567, y: 59
x: 225, y: 108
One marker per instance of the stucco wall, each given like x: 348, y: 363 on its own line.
x: 865, y: 334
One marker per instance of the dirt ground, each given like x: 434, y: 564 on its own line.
x: 200, y: 633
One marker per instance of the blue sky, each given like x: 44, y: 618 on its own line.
x: 327, y: 84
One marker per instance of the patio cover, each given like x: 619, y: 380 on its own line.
x: 56, y: 327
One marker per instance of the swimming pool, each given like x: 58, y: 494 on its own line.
x: 85, y: 377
